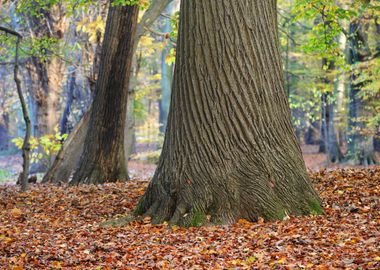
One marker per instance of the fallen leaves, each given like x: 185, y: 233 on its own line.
x: 59, y: 228
x: 16, y: 213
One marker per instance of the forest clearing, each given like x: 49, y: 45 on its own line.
x: 193, y: 134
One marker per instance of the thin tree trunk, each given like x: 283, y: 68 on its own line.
x: 66, y: 112
x: 330, y: 140
x: 4, y: 127
x: 230, y: 150
x: 26, y: 145
x: 360, y: 146
x: 103, y: 158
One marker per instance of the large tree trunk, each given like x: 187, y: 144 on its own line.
x: 230, y: 150
x: 103, y: 157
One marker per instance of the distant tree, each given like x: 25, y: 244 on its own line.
x: 361, y: 149
x: 47, y: 25
x: 230, y: 151
x: 103, y: 158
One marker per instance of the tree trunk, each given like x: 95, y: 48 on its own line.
x: 360, y: 146
x: 329, y: 137
x: 64, y: 123
x: 103, y: 157
x: 68, y: 157
x: 47, y: 74
x: 230, y: 151
x: 4, y: 127
x: 312, y: 135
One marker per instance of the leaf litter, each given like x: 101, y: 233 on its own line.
x: 52, y: 227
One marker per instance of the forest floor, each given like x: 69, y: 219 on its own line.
x: 53, y: 227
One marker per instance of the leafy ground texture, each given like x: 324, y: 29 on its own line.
x: 58, y: 228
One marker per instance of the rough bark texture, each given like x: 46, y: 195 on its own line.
x: 230, y: 150
x: 103, y: 157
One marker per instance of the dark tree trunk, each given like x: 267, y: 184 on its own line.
x: 66, y: 112
x: 329, y: 140
x: 312, y: 135
x: 376, y: 141
x: 103, y: 157
x: 360, y: 146
x: 230, y: 151
x: 322, y: 142
x: 4, y: 127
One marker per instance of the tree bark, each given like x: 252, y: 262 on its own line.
x: 62, y: 168
x: 103, y: 157
x: 230, y: 150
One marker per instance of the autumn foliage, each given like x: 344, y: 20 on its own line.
x: 59, y: 228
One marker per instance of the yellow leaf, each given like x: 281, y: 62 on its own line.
x: 57, y: 265
x: 15, y: 212
x: 251, y: 260
x: 8, y: 240
x: 146, y: 41
x: 156, y: 76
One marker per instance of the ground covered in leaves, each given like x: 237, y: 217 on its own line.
x: 58, y: 228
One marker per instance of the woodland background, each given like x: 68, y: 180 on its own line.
x: 331, y: 60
